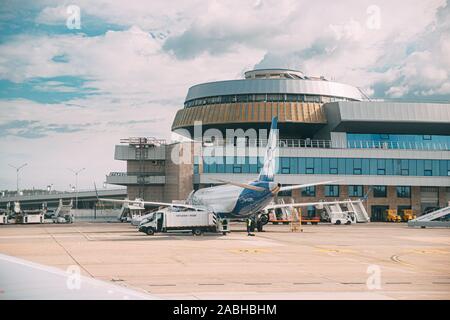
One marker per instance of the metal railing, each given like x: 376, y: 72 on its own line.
x: 136, y: 141
x: 327, y: 144
x: 408, y: 145
x: 125, y: 174
x: 282, y: 143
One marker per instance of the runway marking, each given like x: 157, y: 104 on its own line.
x: 68, y: 253
x: 83, y: 234
x: 257, y: 242
x: 36, y: 237
x: 211, y: 284
x: 398, y: 282
x: 258, y: 284
x: 396, y: 258
x: 162, y: 285
x: 430, y: 251
x: 334, y: 250
x: 252, y: 251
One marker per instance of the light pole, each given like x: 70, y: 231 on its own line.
x: 76, y: 172
x: 17, y: 174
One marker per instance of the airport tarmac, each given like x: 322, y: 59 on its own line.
x: 364, y: 261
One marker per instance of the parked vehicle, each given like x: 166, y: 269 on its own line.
x: 180, y: 219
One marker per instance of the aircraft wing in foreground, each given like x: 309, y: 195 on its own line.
x: 21, y: 279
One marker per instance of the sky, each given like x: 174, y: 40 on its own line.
x: 77, y: 76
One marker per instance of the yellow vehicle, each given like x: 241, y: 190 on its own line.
x: 392, y: 216
x: 408, y: 214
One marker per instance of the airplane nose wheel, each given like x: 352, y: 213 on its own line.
x: 264, y: 219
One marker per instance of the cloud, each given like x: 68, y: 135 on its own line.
x: 53, y: 15
x: 47, y: 90
x: 220, y: 27
x: 420, y: 71
x: 32, y: 129
x: 72, y: 94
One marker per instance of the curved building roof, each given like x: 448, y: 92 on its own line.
x: 267, y: 81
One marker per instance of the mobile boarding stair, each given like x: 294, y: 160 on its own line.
x: 431, y: 219
x: 347, y: 211
x: 288, y: 214
x: 63, y: 213
x: 360, y: 211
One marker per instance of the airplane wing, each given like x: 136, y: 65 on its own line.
x: 151, y: 203
x: 22, y: 279
x: 307, y: 204
x: 299, y: 186
x: 242, y: 185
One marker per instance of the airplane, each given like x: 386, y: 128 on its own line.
x: 25, y: 280
x: 234, y: 200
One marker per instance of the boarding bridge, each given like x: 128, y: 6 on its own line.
x: 429, y: 219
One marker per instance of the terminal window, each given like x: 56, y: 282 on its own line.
x: 309, y: 192
x: 404, y: 192
x: 341, y: 166
x: 379, y: 191
x: 355, y: 191
x: 331, y: 191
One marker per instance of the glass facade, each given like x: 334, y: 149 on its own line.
x: 398, y: 141
x: 341, y: 166
x: 276, y: 97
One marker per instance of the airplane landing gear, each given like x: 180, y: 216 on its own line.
x: 261, y: 220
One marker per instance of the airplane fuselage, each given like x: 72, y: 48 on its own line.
x: 233, y: 201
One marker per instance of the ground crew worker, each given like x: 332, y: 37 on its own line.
x: 249, y: 227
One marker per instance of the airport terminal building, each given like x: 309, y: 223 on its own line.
x: 397, y: 155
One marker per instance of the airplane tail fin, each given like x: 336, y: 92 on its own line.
x: 270, y: 157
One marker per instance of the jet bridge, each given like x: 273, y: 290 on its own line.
x: 435, y: 218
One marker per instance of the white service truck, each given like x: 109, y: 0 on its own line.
x: 182, y: 219
x: 30, y: 216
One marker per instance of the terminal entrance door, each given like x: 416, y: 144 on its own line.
x: 429, y: 198
x: 378, y: 213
